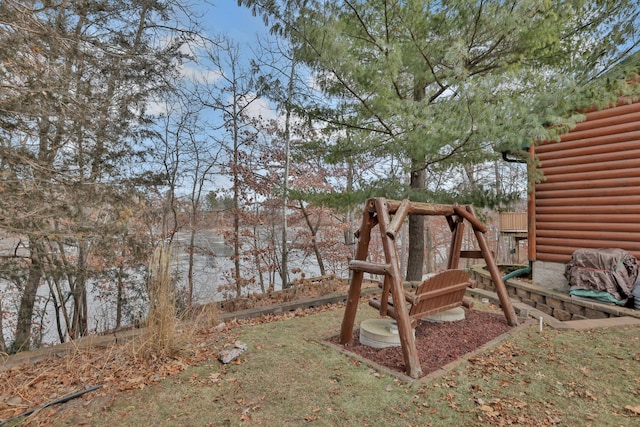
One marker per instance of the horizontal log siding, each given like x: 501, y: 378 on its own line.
x: 590, y: 196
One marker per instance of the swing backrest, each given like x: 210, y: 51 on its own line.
x: 438, y: 293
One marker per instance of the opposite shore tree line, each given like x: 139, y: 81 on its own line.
x: 125, y: 122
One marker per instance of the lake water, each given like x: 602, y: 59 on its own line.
x: 210, y: 277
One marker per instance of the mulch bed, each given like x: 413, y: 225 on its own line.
x: 438, y: 343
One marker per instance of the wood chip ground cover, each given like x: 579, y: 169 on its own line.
x: 438, y: 343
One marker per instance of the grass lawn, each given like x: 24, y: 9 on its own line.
x: 288, y: 378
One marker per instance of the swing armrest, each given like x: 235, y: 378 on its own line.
x: 411, y: 297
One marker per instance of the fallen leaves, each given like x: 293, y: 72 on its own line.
x: 450, y: 399
x: 503, y: 386
x: 635, y: 410
x: 486, y: 408
x: 512, y: 411
x: 117, y: 368
x: 214, y: 377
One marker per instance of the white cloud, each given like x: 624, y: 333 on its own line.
x: 199, y: 75
x: 260, y: 107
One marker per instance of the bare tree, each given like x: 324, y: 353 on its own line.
x: 77, y: 78
x: 230, y: 98
x: 189, y: 162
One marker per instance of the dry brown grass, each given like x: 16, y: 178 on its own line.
x: 202, y: 317
x: 161, y: 336
x: 166, y: 332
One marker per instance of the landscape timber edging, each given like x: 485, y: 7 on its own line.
x: 555, y: 304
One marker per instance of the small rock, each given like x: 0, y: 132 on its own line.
x: 228, y: 356
x: 15, y: 401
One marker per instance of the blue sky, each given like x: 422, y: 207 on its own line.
x: 225, y: 16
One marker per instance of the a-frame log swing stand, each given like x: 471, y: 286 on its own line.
x: 379, y: 212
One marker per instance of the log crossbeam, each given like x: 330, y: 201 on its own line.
x: 369, y: 267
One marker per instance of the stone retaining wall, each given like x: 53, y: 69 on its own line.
x: 561, y: 306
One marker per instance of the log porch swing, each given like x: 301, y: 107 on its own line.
x: 443, y: 293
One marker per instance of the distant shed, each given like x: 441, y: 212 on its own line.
x: 590, y: 194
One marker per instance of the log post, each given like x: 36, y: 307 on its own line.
x: 353, y: 297
x: 384, y: 298
x: 456, y: 244
x: 398, y: 219
x: 473, y: 220
x: 405, y: 331
x: 501, y: 289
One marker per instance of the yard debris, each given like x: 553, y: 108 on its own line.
x: 53, y: 402
x: 228, y: 356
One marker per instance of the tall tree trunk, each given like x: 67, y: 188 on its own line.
x: 236, y: 213
x: 316, y: 250
x: 27, y: 302
x: 256, y: 254
x: 430, y: 265
x: 274, y: 256
x: 119, y: 297
x: 471, y: 176
x: 349, y: 237
x: 58, y: 306
x: 498, y: 175
x: 415, y: 260
x: 3, y: 345
x: 236, y: 244
x: 80, y: 326
x: 192, y: 242
x: 284, y: 271
x: 314, y: 231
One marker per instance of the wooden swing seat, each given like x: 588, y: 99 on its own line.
x: 436, y: 294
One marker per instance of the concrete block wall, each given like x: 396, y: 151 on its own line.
x: 556, y: 303
x: 550, y: 275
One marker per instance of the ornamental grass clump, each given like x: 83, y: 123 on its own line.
x: 161, y: 336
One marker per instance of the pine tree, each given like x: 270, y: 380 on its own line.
x: 425, y: 83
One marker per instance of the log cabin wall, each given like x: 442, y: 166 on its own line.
x: 590, y: 195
